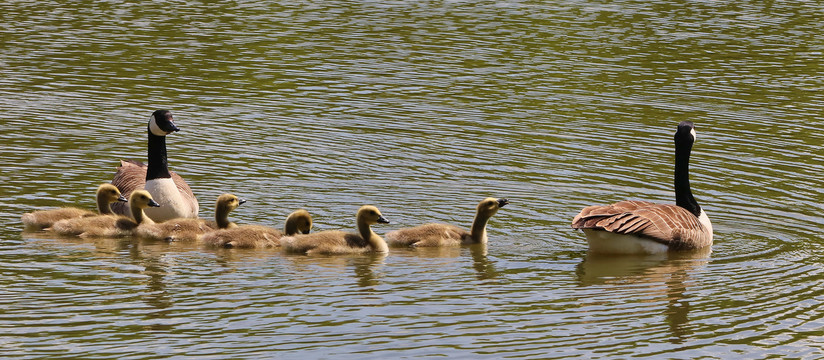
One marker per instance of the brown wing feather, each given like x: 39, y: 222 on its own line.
x: 668, y: 224
x: 131, y: 176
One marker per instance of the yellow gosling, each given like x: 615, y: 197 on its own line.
x: 259, y: 236
x: 433, y: 234
x: 109, y: 225
x: 185, y: 229
x: 342, y: 242
x: 106, y: 194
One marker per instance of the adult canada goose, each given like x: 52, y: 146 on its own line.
x: 445, y: 234
x: 185, y: 229
x: 259, y: 236
x: 106, y: 194
x: 110, y: 225
x: 641, y: 227
x: 167, y: 187
x: 342, y: 242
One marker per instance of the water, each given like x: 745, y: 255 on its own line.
x: 422, y: 109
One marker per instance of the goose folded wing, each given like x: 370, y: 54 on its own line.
x: 664, y: 223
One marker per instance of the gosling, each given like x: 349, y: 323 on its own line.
x: 187, y: 229
x: 431, y: 235
x: 342, y: 242
x: 110, y: 225
x: 259, y: 236
x: 39, y: 220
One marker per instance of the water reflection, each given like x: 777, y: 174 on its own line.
x: 456, y: 100
x: 484, y: 268
x: 156, y: 271
x: 365, y: 268
x: 664, y: 276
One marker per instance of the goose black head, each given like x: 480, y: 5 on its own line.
x: 162, y: 123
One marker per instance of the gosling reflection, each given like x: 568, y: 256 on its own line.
x: 484, y: 268
x: 366, y: 267
x: 146, y: 256
x: 366, y: 270
x: 667, y: 274
x: 149, y: 258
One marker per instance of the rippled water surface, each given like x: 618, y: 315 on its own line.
x: 422, y: 109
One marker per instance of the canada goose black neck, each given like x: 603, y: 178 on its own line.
x: 160, y: 124
x: 684, y: 138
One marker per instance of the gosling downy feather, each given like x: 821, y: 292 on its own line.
x: 109, y: 225
x: 342, y: 242
x: 106, y: 194
x: 642, y: 227
x: 448, y: 235
x: 259, y: 236
x: 167, y: 187
x: 184, y: 229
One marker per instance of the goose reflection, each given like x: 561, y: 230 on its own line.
x: 668, y: 276
x: 366, y: 267
x: 131, y: 251
x: 484, y: 268
x: 151, y: 259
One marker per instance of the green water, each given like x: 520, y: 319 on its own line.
x: 422, y: 109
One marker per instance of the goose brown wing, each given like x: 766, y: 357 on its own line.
x: 665, y: 223
x: 131, y: 176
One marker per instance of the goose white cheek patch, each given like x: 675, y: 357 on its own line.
x: 154, y: 128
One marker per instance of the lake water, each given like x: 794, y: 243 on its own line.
x: 422, y: 109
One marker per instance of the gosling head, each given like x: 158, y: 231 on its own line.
x: 110, y: 193
x: 161, y: 123
x: 142, y: 199
x: 299, y: 221
x: 489, y: 206
x: 227, y: 203
x: 371, y: 215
